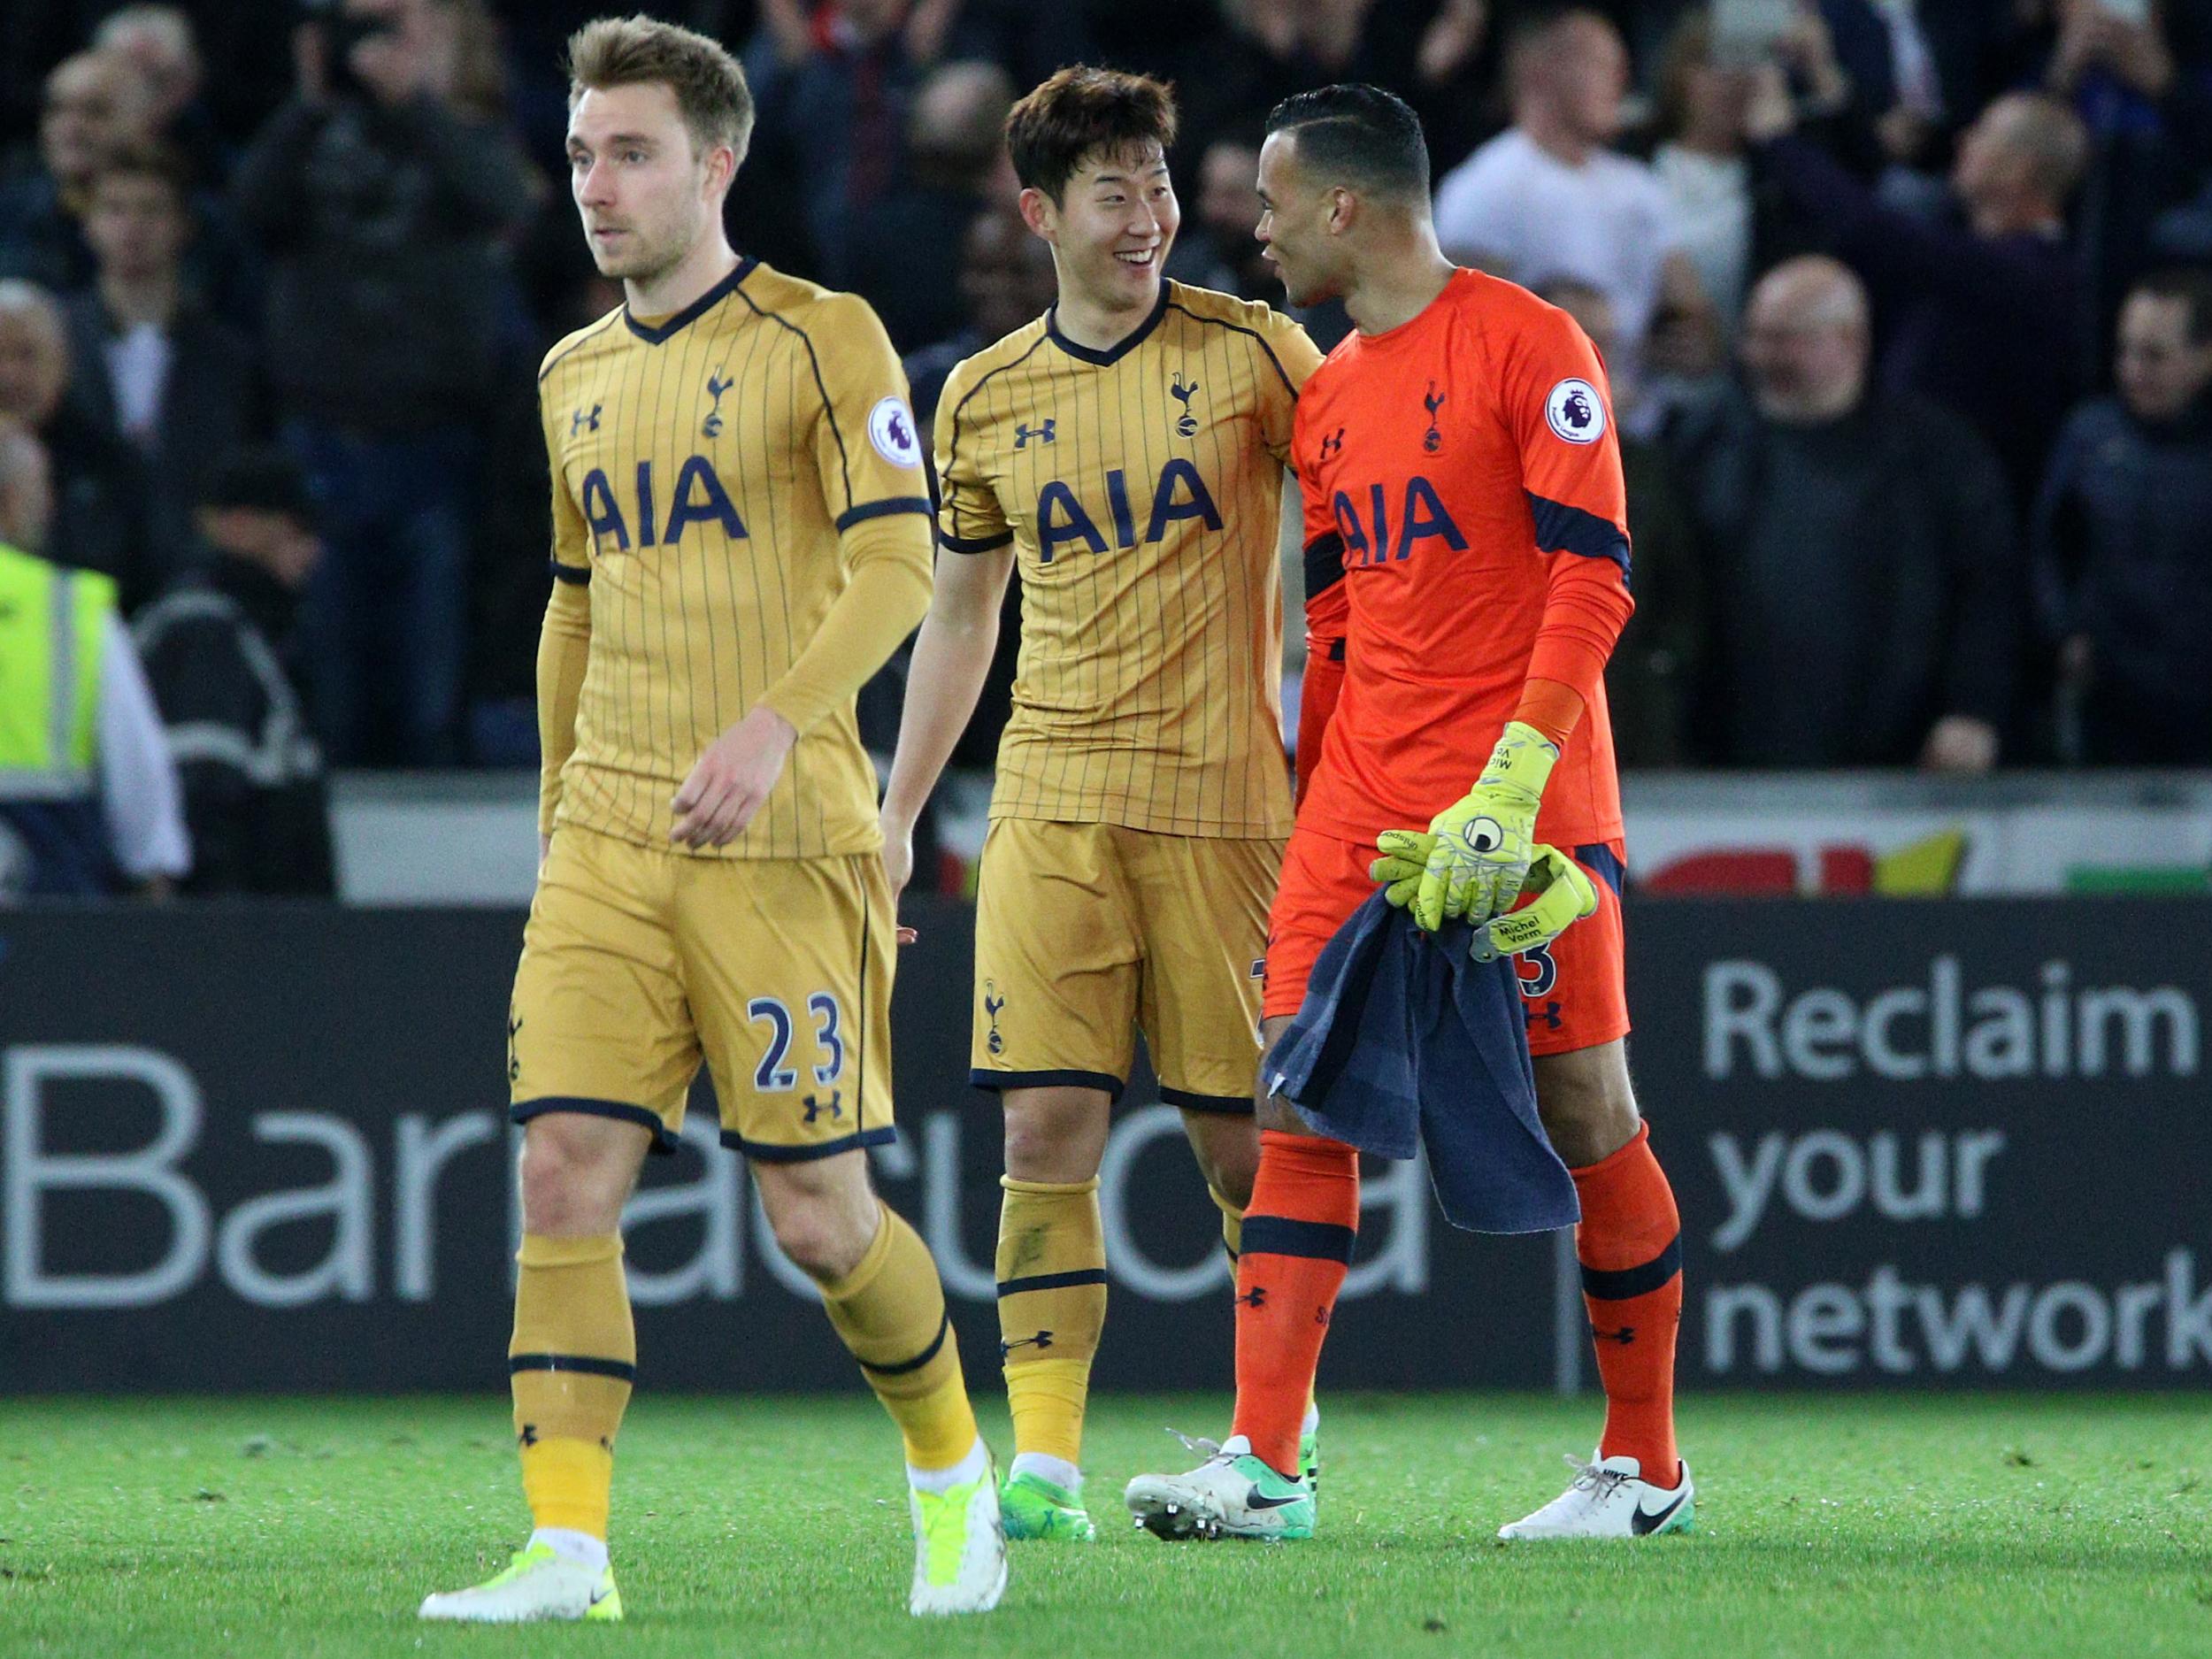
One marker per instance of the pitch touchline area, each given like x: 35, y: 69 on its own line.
x: 1845, y: 1525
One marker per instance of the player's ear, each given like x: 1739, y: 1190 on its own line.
x: 1343, y: 211
x: 1038, y: 213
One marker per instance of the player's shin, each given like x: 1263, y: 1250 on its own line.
x: 890, y: 1313
x: 571, y: 1363
x: 1297, y: 1245
x: 1051, y: 1308
x: 1629, y: 1248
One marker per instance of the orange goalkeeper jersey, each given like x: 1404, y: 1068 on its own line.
x: 1462, y: 474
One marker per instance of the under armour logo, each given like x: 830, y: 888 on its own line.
x: 584, y: 419
x: 1549, y: 1014
x: 1624, y: 1336
x: 1256, y: 1300
x: 716, y: 386
x: 1333, y: 444
x: 834, y: 1106
x: 1023, y: 432
x: 1188, y: 425
x: 1043, y: 1338
x: 529, y: 1435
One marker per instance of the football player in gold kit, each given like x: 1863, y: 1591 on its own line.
x: 1126, y: 451
x: 741, y: 537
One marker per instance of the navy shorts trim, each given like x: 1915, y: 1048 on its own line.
x: 770, y: 1152
x: 1226, y: 1105
x: 999, y: 1082
x: 664, y: 1140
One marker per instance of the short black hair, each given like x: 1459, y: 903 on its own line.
x: 1083, y: 113
x: 2193, y: 288
x: 1363, y: 135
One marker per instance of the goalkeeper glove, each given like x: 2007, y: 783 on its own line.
x: 1563, y: 895
x: 1476, y: 853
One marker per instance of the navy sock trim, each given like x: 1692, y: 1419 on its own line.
x: 1634, y: 1281
x: 1277, y: 1235
x: 1052, y: 1281
x: 619, y: 1370
x: 902, y: 1367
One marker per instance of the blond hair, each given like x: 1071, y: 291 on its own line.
x: 709, y: 83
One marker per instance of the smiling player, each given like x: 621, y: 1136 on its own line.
x: 1125, y: 450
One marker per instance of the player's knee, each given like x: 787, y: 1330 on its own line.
x: 821, y: 1240
x: 1228, y: 1153
x: 1054, y: 1135
x: 571, y: 1184
x: 1589, y: 1109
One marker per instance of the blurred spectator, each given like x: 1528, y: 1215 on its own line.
x: 1700, y: 163
x: 220, y: 651
x: 1006, y: 280
x: 906, y: 255
x: 1983, y: 315
x: 157, y: 41
x: 1216, y: 248
x: 1654, y: 670
x: 1861, y: 565
x: 2123, y: 541
x: 382, y: 206
x: 87, y: 793
x: 149, y: 364
x: 96, y: 103
x: 1548, y: 199
x: 834, y: 86
x: 102, y: 512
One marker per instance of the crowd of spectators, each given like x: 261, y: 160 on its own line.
x: 1902, y: 301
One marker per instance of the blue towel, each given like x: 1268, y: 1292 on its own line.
x: 1402, y: 1034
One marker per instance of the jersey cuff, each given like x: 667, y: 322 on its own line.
x: 1324, y: 562
x: 578, y: 574
x: 886, y: 508
x: 974, y: 543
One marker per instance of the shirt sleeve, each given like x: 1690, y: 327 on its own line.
x: 564, y: 642
x: 1559, y: 407
x: 969, y: 518
x: 1328, y: 612
x: 1288, y: 359
x: 140, y: 798
x: 866, y: 446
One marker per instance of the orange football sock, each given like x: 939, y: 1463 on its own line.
x: 1297, y: 1245
x: 1630, y: 1246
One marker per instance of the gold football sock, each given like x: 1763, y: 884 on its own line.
x: 1051, y: 1306
x: 571, y: 1363
x: 890, y: 1311
x: 1232, y: 1227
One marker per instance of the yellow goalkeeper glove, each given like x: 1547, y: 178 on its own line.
x: 1475, y: 853
x: 1564, y: 895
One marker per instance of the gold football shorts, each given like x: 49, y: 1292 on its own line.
x: 1086, y: 934
x: 638, y: 963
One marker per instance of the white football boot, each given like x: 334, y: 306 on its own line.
x: 1610, y: 1498
x: 536, y: 1584
x: 959, y: 1544
x: 1232, y: 1494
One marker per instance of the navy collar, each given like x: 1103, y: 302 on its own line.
x: 1120, y: 348
x: 692, y: 313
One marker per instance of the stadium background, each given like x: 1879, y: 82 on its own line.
x: 1922, y: 1036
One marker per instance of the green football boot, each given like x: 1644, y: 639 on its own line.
x: 1033, y: 1507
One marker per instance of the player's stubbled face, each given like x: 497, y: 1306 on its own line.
x: 1293, y: 229
x: 639, y: 185
x: 1118, y: 218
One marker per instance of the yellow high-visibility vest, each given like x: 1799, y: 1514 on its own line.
x: 53, y: 630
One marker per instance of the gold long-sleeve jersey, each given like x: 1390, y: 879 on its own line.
x: 719, y: 477
x: 1141, y: 488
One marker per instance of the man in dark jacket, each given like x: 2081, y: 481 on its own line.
x: 219, y: 649
x: 2123, y: 541
x: 149, y: 365
x: 1863, y: 572
x: 383, y: 206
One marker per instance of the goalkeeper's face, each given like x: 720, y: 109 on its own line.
x: 1294, y: 225
x: 643, y: 189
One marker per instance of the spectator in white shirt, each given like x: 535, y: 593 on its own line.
x: 1548, y: 199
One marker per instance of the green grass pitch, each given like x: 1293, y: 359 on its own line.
x: 1965, y: 1527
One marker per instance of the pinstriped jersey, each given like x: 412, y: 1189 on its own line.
x: 1141, y: 488
x: 705, y: 470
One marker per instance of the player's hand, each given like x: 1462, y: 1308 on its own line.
x: 1565, y: 894
x: 1480, y: 847
x: 731, y: 780
x: 898, y: 863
